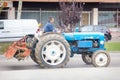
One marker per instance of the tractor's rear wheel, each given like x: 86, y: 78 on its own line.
x: 87, y: 58
x: 52, y: 51
x: 100, y: 59
x: 32, y: 47
x: 32, y: 55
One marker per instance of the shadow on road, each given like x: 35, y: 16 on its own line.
x: 28, y: 64
x: 13, y: 64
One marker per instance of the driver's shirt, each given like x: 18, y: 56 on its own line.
x: 48, y: 27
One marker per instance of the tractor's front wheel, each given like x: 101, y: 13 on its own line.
x: 52, y: 51
x: 100, y: 59
x: 87, y: 58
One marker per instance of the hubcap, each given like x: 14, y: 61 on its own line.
x: 53, y: 52
x: 101, y: 59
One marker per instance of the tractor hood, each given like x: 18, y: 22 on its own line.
x: 83, y: 35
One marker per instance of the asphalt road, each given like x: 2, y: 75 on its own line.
x: 76, y: 69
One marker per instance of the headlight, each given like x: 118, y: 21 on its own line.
x: 101, y: 42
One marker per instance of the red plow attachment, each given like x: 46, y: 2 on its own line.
x: 18, y: 49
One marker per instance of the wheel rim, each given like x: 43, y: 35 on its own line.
x: 101, y: 59
x: 53, y: 52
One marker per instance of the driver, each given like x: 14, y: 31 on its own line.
x: 49, y: 25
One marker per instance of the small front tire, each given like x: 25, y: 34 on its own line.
x: 100, y: 59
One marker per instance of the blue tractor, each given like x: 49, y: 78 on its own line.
x: 53, y: 50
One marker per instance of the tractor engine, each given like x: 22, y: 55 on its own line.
x: 84, y: 42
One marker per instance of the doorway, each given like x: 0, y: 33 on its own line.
x: 85, y: 18
x: 4, y: 15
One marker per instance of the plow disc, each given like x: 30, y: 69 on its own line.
x: 18, y: 50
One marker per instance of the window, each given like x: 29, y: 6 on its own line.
x: 108, y: 18
x: 1, y: 25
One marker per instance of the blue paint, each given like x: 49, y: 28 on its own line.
x: 84, y: 41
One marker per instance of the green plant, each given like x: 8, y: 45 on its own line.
x: 112, y: 46
x: 4, y: 46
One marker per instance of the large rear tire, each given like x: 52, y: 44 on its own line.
x: 32, y: 46
x: 32, y: 55
x: 52, y: 51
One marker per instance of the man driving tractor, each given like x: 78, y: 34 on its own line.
x: 49, y: 26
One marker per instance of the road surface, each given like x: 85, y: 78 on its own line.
x: 76, y: 69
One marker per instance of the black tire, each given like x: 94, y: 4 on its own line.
x: 87, y: 58
x: 30, y: 42
x: 57, y: 40
x: 32, y: 55
x: 100, y: 58
x: 32, y: 47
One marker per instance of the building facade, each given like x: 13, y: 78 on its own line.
x: 102, y: 12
